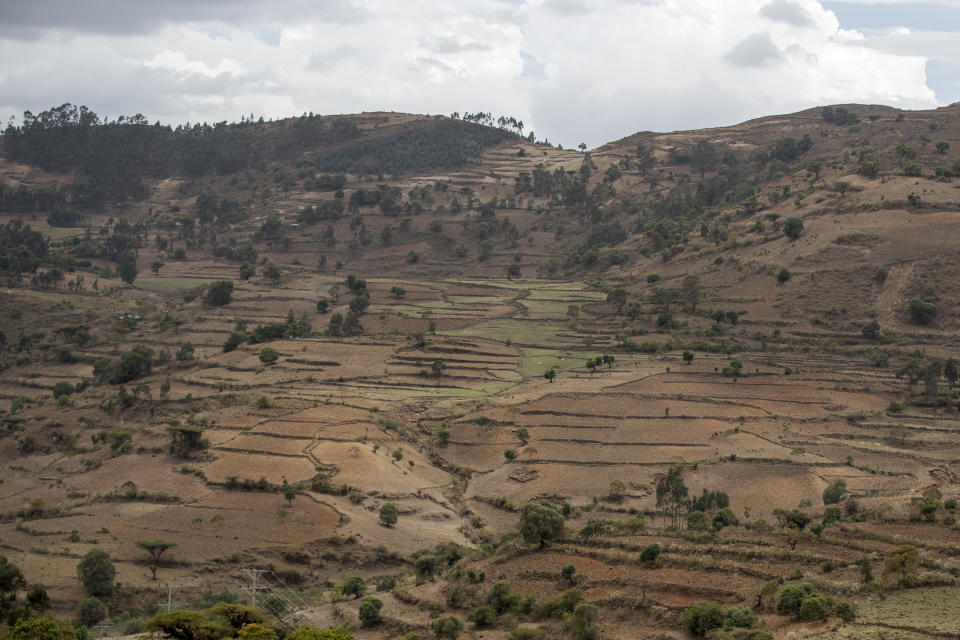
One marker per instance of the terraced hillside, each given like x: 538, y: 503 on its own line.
x: 763, y: 401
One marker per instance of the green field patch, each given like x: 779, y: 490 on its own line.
x: 480, y: 299
x: 549, y: 308
x: 534, y: 361
x: 519, y: 331
x: 170, y: 284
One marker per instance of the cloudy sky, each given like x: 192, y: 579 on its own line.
x: 573, y: 70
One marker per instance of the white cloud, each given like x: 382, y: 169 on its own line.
x: 570, y: 69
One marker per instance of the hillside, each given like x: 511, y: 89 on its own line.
x: 736, y: 344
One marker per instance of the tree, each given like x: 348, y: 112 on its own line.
x: 739, y: 618
x: 289, y: 492
x: 793, y: 227
x: 247, y: 271
x: 483, y: 616
x: 271, y: 271
x: 688, y: 357
x: 323, y: 306
x: 523, y: 434
x: 900, y: 565
x: 91, y: 611
x: 550, y: 374
x: 42, y: 628
x: 672, y: 493
x: 312, y: 633
x: 155, y: 548
x: 269, y: 355
x: 398, y: 292
x: 580, y: 622
x: 567, y: 573
x: 353, y: 586
x: 691, y: 291
x: 37, y: 598
x: 388, y: 514
x: 922, y: 312
x: 155, y: 266
x: 369, y: 613
x: 540, y: 523
x: 11, y: 580
x: 256, y: 631
x: 220, y: 293
x: 650, y: 554
x: 703, y: 617
x: 783, y: 275
x: 942, y: 146
x: 834, y: 493
x: 871, y: 330
x: 397, y: 454
x: 448, y: 628
x: 96, y: 572
x: 127, y: 267
x: 792, y: 596
x: 186, y: 625
x: 510, y: 454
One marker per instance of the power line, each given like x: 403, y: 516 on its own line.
x: 170, y: 604
x: 254, y: 587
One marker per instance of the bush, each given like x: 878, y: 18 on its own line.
x: 814, y: 607
x: 269, y: 355
x: 540, y: 523
x: 483, y: 616
x: 702, y: 618
x: 922, y: 312
x: 369, y: 613
x: 650, y: 554
x: 793, y: 227
x: 447, y: 628
x: 91, y: 611
x: 739, y: 617
x: 62, y: 388
x: 792, y: 597
x: 96, y: 572
x: 834, y: 493
x: 219, y: 293
x: 352, y: 586
x: 783, y: 275
x: 388, y: 514
x: 844, y: 611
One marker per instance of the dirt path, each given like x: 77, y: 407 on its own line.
x: 890, y: 298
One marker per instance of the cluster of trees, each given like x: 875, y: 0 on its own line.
x: 417, y: 146
x: 22, y: 249
x: 112, y: 159
x: 291, y: 328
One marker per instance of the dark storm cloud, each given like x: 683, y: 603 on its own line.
x: 755, y: 50
x: 28, y: 18
x: 789, y: 12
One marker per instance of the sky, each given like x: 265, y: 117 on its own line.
x: 573, y: 71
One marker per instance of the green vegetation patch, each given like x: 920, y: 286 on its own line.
x: 518, y: 331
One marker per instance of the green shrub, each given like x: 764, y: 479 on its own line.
x: 739, y: 617
x: 844, y: 611
x: 792, y: 596
x: 814, y: 607
x: 702, y: 618
x: 369, y: 612
x: 651, y: 553
x: 922, y: 312
x: 269, y: 355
